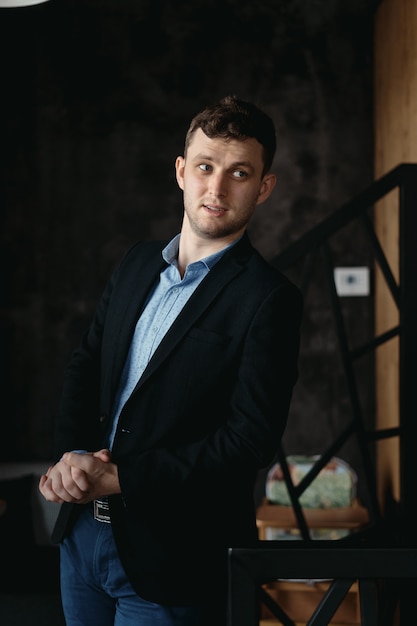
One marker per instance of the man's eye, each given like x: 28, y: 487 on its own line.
x: 204, y: 167
x: 239, y: 174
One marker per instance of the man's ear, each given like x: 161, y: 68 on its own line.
x: 179, y: 171
x: 267, y: 185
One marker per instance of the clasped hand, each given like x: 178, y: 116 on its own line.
x: 80, y: 478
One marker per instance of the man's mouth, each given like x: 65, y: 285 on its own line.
x: 214, y: 209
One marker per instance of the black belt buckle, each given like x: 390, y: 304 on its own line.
x: 101, y: 511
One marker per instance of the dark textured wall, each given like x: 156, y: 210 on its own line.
x: 96, y: 97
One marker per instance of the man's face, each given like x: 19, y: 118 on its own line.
x: 222, y: 184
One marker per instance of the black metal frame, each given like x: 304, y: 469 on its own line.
x: 381, y: 568
x: 343, y: 560
x: 316, y: 244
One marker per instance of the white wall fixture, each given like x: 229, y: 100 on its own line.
x: 352, y: 281
x: 10, y: 4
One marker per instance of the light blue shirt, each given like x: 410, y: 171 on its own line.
x: 161, y: 310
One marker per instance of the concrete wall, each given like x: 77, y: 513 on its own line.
x: 96, y: 98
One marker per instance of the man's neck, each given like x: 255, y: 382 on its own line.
x: 193, y: 248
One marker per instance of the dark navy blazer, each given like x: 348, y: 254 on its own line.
x: 205, y: 416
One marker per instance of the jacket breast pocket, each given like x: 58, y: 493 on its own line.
x: 208, y: 336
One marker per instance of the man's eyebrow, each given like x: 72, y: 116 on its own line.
x: 246, y: 164
x: 202, y: 157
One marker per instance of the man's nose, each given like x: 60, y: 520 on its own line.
x: 218, y: 184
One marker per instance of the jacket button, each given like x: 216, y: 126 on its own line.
x: 102, y: 418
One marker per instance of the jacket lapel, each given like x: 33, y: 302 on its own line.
x: 231, y: 264
x: 141, y: 282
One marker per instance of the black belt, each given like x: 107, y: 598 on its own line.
x: 101, y: 510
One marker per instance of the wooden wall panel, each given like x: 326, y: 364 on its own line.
x: 395, y: 114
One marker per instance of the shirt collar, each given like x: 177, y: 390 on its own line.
x: 170, y: 253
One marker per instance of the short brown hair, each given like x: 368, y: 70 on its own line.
x: 231, y: 118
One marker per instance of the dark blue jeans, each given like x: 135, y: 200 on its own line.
x: 94, y: 587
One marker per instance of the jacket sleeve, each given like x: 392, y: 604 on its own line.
x: 77, y: 422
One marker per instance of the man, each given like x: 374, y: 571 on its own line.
x: 177, y: 395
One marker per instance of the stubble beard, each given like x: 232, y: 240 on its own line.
x: 211, y: 229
